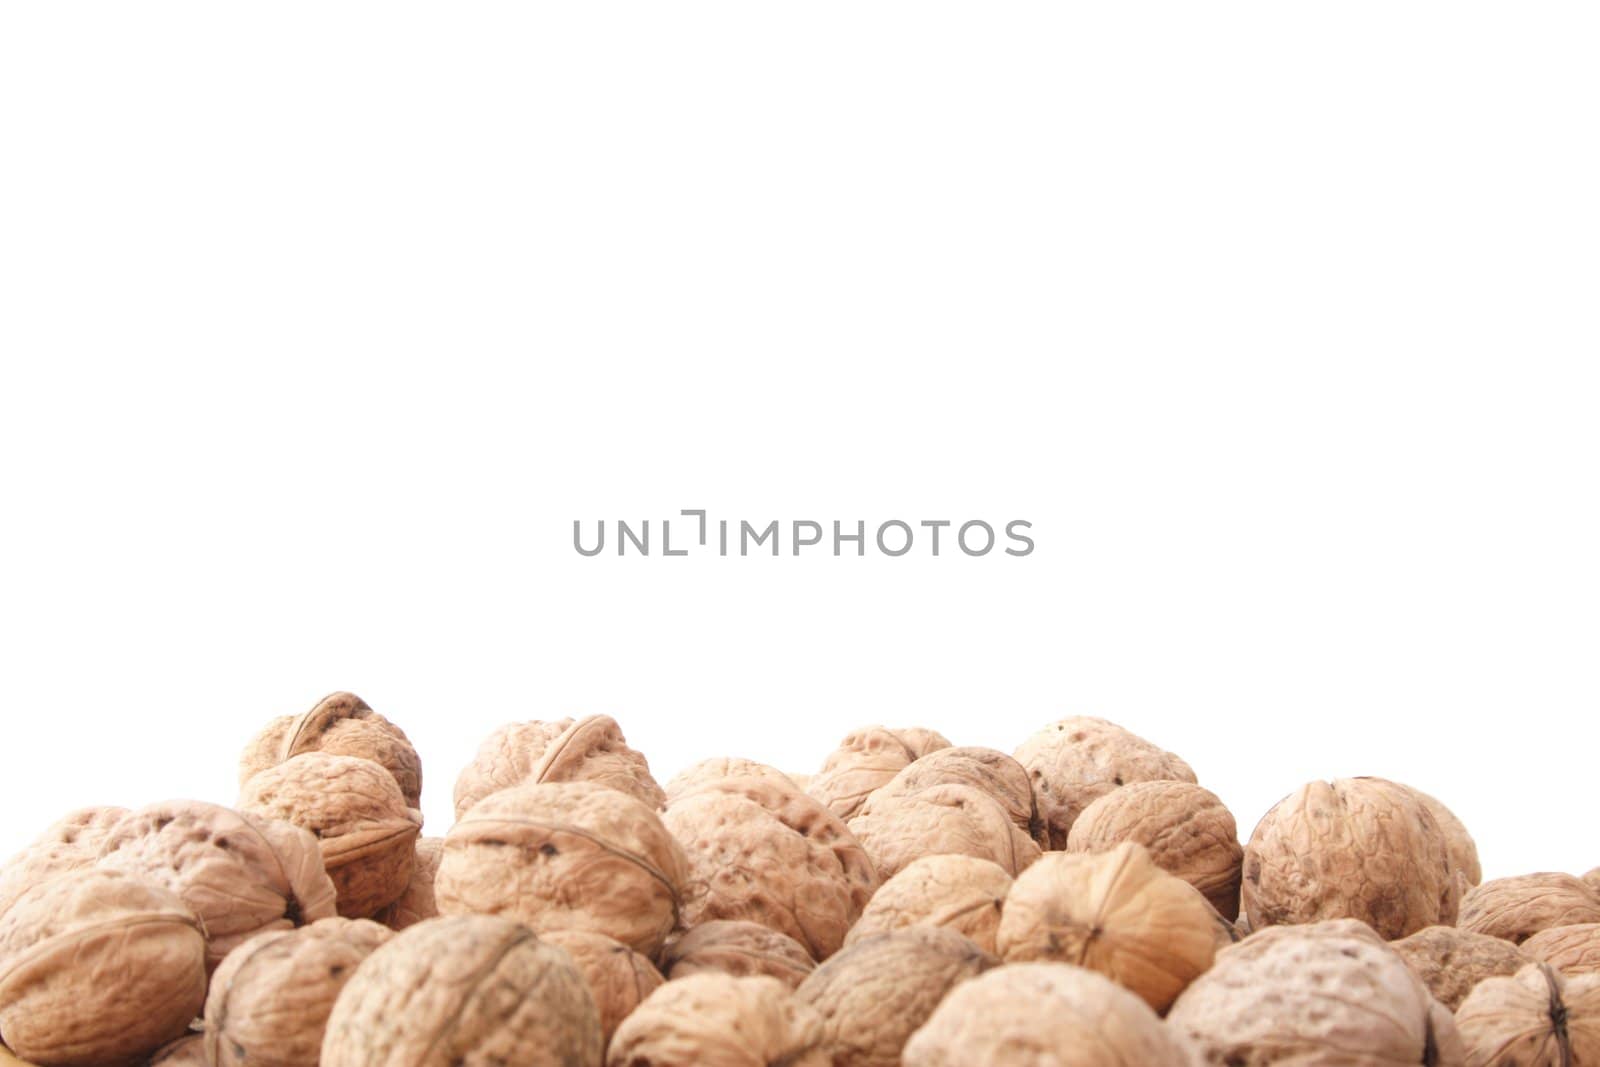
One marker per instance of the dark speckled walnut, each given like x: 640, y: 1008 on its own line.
x: 341, y: 725
x: 1517, y: 908
x: 590, y: 749
x: 1538, y: 1018
x: 715, y: 1020
x: 866, y: 760
x: 1452, y: 961
x: 739, y: 949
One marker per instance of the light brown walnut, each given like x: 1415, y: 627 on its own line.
x: 961, y: 893
x: 737, y: 948
x: 618, y: 977
x: 1572, y: 950
x: 715, y: 1020
x: 700, y: 774
x: 591, y: 749
x: 865, y: 760
x: 1538, y: 1018
x: 1451, y: 961
x: 897, y: 830
x: 341, y: 724
x: 417, y: 902
x: 1592, y: 879
x: 188, y: 1051
x: 69, y: 844
x: 1463, y: 849
x: 1517, y: 908
x: 997, y: 775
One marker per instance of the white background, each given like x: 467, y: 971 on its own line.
x: 322, y: 323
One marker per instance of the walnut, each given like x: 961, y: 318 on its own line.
x: 362, y: 823
x: 1043, y: 1015
x: 1463, y: 850
x: 591, y: 749
x: 269, y: 1001
x: 1116, y: 913
x: 991, y: 772
x: 1536, y: 1019
x: 1451, y: 961
x: 566, y: 856
x: 341, y: 725
x: 241, y: 875
x: 1187, y: 830
x: 715, y: 1020
x: 417, y: 902
x: 875, y: 993
x: 866, y: 759
x: 737, y: 948
x: 618, y: 977
x: 189, y: 1051
x: 98, y: 967
x: 465, y: 989
x: 1592, y: 879
x: 1572, y: 950
x: 963, y: 893
x: 707, y: 771
x: 1076, y: 761
x: 71, y: 843
x: 942, y: 819
x: 1357, y: 848
x: 1517, y: 908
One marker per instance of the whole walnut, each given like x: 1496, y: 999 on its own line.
x: 1188, y: 831
x: 1116, y: 913
x: 590, y: 749
x: 1592, y: 879
x: 1001, y: 778
x: 1572, y: 950
x: 71, y: 843
x: 872, y: 995
x: 1043, y: 1015
x: 1517, y: 908
x: 341, y: 724
x: 707, y: 771
x: 417, y: 902
x: 365, y: 829
x: 189, y: 1051
x: 1324, y: 993
x: 1463, y: 850
x: 269, y: 1001
x: 1535, y: 1019
x: 962, y: 893
x: 618, y: 977
x: 1356, y: 848
x: 715, y: 1020
x: 98, y: 967
x: 465, y: 989
x: 942, y: 819
x: 1076, y: 761
x: 241, y: 875
x: 865, y: 760
x: 566, y: 856
x: 737, y: 948
x: 1451, y: 961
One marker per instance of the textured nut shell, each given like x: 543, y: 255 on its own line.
x: 618, y: 977
x: 1517, y: 908
x: 962, y: 893
x: 1116, y: 913
x: 737, y: 948
x: 710, y: 770
x: 465, y: 989
x: 1451, y: 961
x: 1326, y: 993
x: 566, y: 856
x: 875, y: 993
x: 417, y: 902
x: 987, y: 770
x: 1535, y: 1019
x: 185, y: 1052
x: 1188, y: 831
x: 341, y: 724
x: 940, y: 820
x: 69, y: 844
x: 1463, y: 850
x: 591, y: 749
x: 1076, y: 761
x: 240, y: 875
x: 866, y: 760
x: 746, y: 863
x: 269, y: 1001
x: 714, y: 1020
x: 1043, y: 1015
x: 362, y: 823
x: 98, y: 967
x: 1355, y: 848
x: 1592, y: 879
x: 1572, y: 950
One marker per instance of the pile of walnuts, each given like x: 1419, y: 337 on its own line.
x: 1081, y: 901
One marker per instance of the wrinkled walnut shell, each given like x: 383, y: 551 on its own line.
x: 1188, y: 831
x: 100, y: 968
x: 465, y: 989
x: 987, y: 770
x: 874, y: 994
x: 714, y: 1020
x: 1356, y: 848
x: 363, y: 826
x: 241, y: 875
x: 618, y: 977
x: 341, y: 724
x: 1451, y: 961
x: 69, y: 844
x: 739, y: 949
x: 566, y: 856
x: 417, y: 902
x: 590, y: 749
x: 962, y: 893
x: 940, y: 820
x: 866, y: 760
x: 1517, y: 908
x: 1324, y: 993
x: 1572, y: 950
x: 1463, y: 850
x: 692, y: 778
x: 1535, y: 1019
x: 1592, y: 879
x: 1043, y: 1015
x: 269, y: 1001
